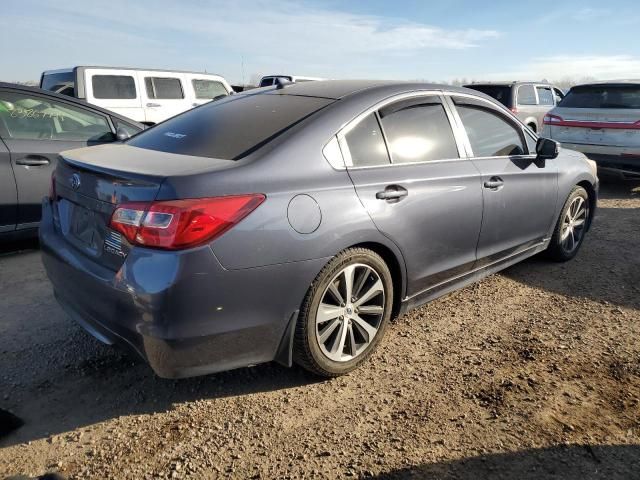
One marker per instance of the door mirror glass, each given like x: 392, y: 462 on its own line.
x: 547, y: 149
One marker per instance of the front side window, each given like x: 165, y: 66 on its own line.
x: 418, y: 133
x: 208, y: 89
x: 31, y: 117
x: 266, y: 82
x: 366, y: 144
x: 545, y: 95
x: 121, y: 87
x: 489, y: 133
x: 162, y: 88
x: 526, y: 95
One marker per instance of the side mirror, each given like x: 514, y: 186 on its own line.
x: 122, y: 134
x: 547, y: 149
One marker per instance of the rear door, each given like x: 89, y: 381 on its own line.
x: 519, y: 192
x: 405, y: 162
x: 38, y: 128
x: 8, y: 193
x: 115, y: 90
x: 163, y: 95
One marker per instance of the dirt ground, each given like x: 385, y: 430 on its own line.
x: 533, y: 373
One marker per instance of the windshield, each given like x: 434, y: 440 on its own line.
x: 229, y: 129
x: 500, y: 92
x: 603, y: 96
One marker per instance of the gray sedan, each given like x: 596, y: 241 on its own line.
x: 292, y: 223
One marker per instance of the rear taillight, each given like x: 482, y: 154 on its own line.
x: 552, y: 119
x: 178, y: 224
x: 52, y: 186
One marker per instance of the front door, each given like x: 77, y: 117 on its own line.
x: 519, y: 192
x: 38, y: 128
x: 405, y: 163
x: 8, y: 194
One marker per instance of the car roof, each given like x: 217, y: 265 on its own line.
x: 137, y: 69
x: 507, y: 83
x: 609, y: 83
x: 68, y: 99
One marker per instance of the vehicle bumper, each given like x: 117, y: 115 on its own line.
x: 621, y: 159
x: 181, y: 311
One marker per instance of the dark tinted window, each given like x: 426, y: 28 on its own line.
x: 164, y: 88
x: 113, y: 86
x: 602, y: 96
x: 490, y: 135
x: 501, y: 93
x: 208, y: 89
x: 58, y: 82
x: 366, y: 144
x: 419, y: 133
x: 526, y: 95
x: 265, y: 82
x: 230, y: 128
x: 545, y: 96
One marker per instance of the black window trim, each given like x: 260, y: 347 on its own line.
x: 502, y: 112
x: 344, y: 147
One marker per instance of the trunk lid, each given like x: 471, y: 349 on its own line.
x: 91, y: 182
x: 607, y: 127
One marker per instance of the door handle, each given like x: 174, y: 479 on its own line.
x: 33, y: 161
x: 153, y: 105
x: 494, y: 183
x: 392, y: 192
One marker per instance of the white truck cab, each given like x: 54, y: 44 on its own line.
x: 147, y: 96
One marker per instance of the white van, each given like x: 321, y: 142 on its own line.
x: 271, y: 79
x: 147, y: 96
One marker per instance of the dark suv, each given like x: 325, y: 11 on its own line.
x: 529, y: 101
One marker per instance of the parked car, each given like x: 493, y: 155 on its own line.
x: 602, y: 120
x: 35, y: 126
x: 146, y: 95
x: 529, y: 101
x: 292, y: 223
x: 270, y: 80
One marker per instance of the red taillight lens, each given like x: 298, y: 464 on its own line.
x: 552, y: 119
x: 52, y: 187
x: 177, y: 224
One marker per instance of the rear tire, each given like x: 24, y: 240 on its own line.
x: 344, y: 314
x: 571, y: 226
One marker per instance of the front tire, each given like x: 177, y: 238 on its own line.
x: 345, y: 313
x: 571, y: 226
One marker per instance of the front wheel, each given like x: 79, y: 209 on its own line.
x: 571, y: 227
x: 345, y: 313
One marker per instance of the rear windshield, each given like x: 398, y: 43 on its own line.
x: 63, y: 82
x: 229, y: 129
x: 602, y: 96
x: 501, y: 93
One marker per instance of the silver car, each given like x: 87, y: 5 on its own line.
x: 292, y: 223
x: 529, y: 101
x: 602, y: 120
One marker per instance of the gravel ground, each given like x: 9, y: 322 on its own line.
x: 532, y: 373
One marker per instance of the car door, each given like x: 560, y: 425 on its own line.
x: 38, y: 128
x: 163, y: 95
x: 116, y: 90
x: 405, y: 161
x: 519, y: 192
x: 202, y: 90
x: 8, y: 192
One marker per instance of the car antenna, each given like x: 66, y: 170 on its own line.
x: 281, y: 83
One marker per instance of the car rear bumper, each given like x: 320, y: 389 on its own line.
x: 181, y: 311
x: 607, y: 157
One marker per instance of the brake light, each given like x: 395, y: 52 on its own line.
x: 178, y: 224
x: 52, y: 186
x: 552, y: 119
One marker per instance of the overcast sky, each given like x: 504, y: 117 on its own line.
x: 416, y: 40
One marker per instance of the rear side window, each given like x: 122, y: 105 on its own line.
x: 208, y: 89
x: 63, y: 82
x: 501, y: 93
x: 113, y: 86
x: 366, y: 144
x: 545, y: 95
x: 230, y: 128
x: 419, y: 133
x: 32, y: 117
x: 489, y: 133
x: 603, y: 96
x: 526, y: 95
x: 162, y: 88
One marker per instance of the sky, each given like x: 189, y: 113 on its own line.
x: 407, y: 40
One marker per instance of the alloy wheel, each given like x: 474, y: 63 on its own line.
x: 573, y: 224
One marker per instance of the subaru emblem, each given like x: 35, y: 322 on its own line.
x: 75, y: 181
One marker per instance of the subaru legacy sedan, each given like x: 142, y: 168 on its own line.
x: 292, y: 223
